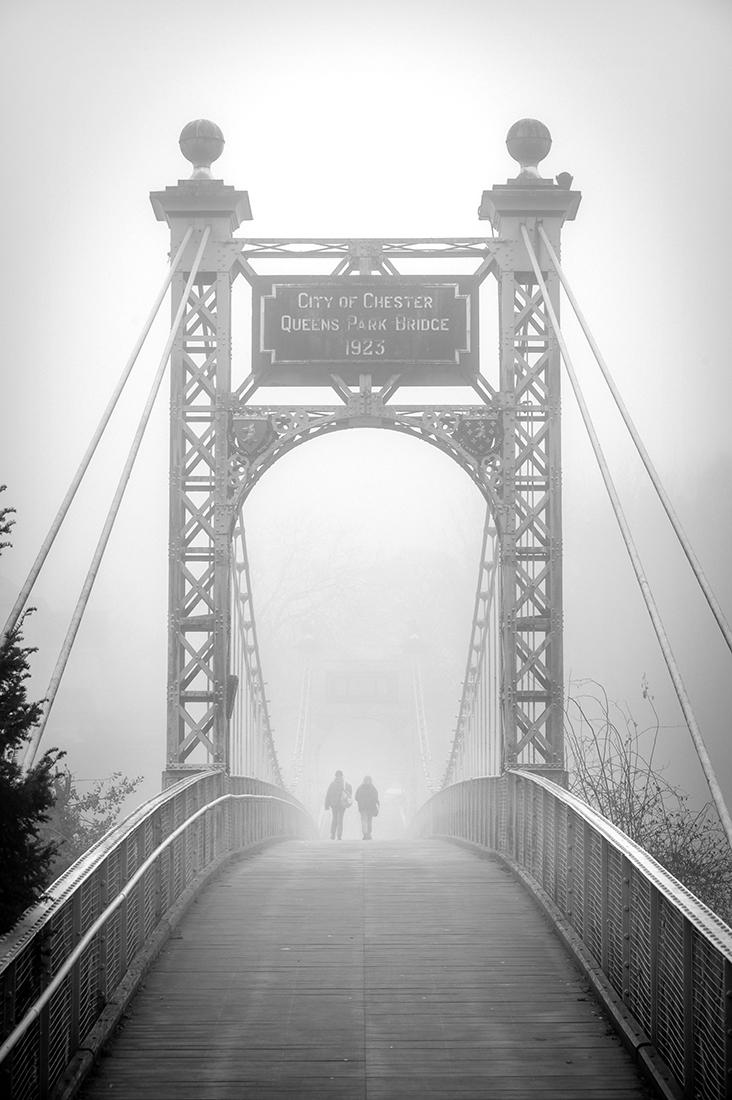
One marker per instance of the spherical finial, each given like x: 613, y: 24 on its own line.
x: 201, y: 142
x: 528, y: 141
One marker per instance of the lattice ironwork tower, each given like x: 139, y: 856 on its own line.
x: 221, y: 444
x: 530, y: 520
x: 200, y: 541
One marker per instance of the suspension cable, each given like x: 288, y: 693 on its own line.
x: 424, y: 745
x: 645, y: 457
x: 83, y: 466
x: 478, y: 637
x: 645, y: 588
x: 302, y: 722
x: 91, y: 576
x: 255, y: 681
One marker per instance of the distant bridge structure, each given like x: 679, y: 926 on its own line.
x: 659, y: 961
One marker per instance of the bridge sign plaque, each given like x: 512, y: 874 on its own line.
x: 306, y: 329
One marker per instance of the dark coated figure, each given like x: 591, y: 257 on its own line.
x: 338, y: 798
x: 367, y: 798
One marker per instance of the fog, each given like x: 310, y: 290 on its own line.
x: 365, y: 119
x: 374, y: 570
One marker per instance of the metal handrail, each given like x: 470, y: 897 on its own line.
x: 97, y: 921
x: 35, y: 1011
x: 60, y: 891
x: 706, y: 920
x: 663, y: 954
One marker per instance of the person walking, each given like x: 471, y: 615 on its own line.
x: 338, y: 798
x: 367, y: 798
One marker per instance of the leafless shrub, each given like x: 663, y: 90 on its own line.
x: 611, y: 761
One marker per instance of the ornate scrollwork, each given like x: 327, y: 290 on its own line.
x: 257, y: 438
x: 474, y: 437
x: 477, y: 436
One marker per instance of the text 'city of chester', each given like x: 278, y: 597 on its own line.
x: 357, y: 325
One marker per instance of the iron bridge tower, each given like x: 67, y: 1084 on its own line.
x: 506, y: 437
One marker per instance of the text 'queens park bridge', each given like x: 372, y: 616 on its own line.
x: 503, y: 939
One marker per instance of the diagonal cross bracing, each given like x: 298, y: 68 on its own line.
x: 217, y: 710
x: 198, y: 583
x: 509, y: 446
x: 531, y: 529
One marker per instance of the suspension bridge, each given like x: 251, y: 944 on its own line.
x: 510, y: 942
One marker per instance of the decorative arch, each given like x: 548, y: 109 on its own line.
x: 472, y: 437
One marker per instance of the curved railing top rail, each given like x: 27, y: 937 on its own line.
x: 657, y: 957
x: 72, y: 963
x: 713, y: 927
x: 59, y: 891
x: 101, y: 920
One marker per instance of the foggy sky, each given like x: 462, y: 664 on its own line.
x: 364, y: 119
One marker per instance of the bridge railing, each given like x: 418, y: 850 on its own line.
x: 665, y: 955
x: 74, y: 957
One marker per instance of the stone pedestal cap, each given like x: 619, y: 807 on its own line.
x: 528, y: 195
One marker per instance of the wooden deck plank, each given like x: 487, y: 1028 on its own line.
x: 373, y: 972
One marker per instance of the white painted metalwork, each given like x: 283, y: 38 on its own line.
x: 667, y: 957
x: 424, y: 745
x: 477, y: 747
x: 302, y: 723
x: 510, y: 447
x: 63, y: 962
x: 252, y: 749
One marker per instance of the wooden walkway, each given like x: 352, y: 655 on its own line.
x: 352, y: 971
